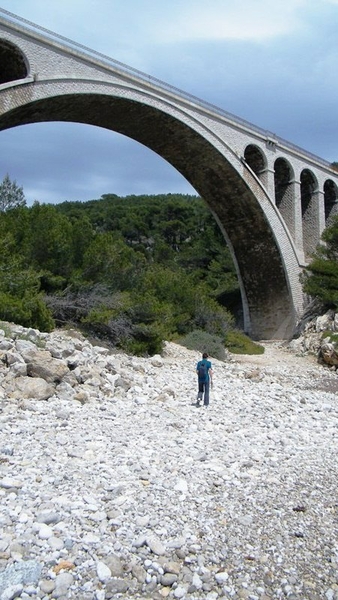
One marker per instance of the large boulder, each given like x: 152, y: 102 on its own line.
x: 328, y: 353
x: 24, y: 388
x: 42, y: 364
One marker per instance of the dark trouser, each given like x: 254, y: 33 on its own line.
x: 203, y: 388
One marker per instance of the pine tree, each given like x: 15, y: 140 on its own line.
x: 11, y: 195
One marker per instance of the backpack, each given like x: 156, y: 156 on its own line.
x: 202, y: 372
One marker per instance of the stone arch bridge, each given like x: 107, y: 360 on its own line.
x: 271, y: 199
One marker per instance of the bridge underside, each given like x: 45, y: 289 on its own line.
x: 268, y: 307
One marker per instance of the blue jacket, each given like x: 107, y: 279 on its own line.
x: 208, y: 366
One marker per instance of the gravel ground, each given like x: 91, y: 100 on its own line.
x: 138, y: 493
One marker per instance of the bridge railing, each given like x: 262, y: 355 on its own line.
x: 115, y: 64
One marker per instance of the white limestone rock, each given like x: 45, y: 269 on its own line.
x: 30, y: 387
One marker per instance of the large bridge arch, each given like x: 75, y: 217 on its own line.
x: 262, y: 249
x: 231, y: 163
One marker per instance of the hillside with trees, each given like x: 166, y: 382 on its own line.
x: 135, y: 270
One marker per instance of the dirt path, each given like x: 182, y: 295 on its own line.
x: 279, y: 358
x: 277, y: 354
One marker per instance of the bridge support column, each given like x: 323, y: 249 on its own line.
x: 267, y: 177
x: 321, y: 212
x: 296, y: 222
x: 313, y: 222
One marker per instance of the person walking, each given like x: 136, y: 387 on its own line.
x: 204, y: 373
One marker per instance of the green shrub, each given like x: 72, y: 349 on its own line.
x: 333, y: 337
x: 145, y: 341
x: 239, y: 343
x: 209, y: 316
x: 27, y: 311
x: 116, y: 326
x: 202, y: 341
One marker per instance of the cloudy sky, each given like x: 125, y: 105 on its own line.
x: 271, y: 62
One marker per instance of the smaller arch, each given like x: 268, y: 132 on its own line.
x: 256, y: 160
x: 13, y: 63
x: 330, y: 200
x: 283, y: 177
x: 308, y: 185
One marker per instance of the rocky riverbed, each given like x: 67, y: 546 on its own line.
x: 113, y: 484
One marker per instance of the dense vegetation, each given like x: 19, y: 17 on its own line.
x: 134, y: 270
x: 320, y: 280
